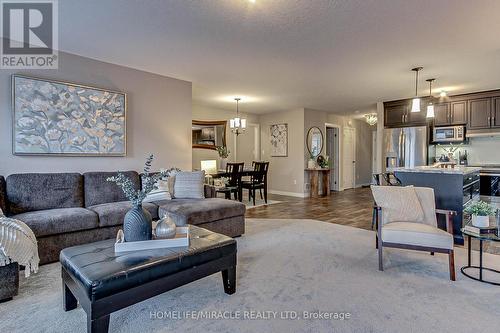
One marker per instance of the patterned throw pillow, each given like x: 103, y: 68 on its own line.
x: 399, y: 204
x: 189, y: 185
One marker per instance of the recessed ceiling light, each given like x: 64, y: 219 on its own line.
x: 442, y: 93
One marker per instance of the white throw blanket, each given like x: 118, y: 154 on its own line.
x: 18, y: 244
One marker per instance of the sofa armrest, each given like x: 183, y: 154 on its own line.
x: 210, y: 191
x: 449, y: 218
x: 3, y: 195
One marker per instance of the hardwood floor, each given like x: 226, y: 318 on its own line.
x: 350, y: 207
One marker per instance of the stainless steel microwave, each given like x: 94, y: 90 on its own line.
x: 449, y: 134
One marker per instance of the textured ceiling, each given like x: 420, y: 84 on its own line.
x: 339, y: 56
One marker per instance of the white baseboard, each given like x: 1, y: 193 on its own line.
x: 290, y: 194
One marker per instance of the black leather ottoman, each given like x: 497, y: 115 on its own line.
x: 104, y: 282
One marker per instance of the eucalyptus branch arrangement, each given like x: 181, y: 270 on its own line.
x: 148, y: 182
x: 223, y: 151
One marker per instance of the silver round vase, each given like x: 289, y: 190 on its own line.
x: 165, y: 228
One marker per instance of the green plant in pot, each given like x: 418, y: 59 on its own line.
x: 223, y: 154
x: 480, y: 212
x: 137, y: 225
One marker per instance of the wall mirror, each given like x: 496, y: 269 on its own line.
x: 314, y: 141
x: 208, y: 134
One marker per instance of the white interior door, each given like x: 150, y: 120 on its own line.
x: 349, y: 157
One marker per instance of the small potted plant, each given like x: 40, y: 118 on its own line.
x: 223, y: 154
x: 311, y: 163
x: 480, y: 212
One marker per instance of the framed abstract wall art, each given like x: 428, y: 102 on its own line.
x: 279, y: 140
x: 65, y: 119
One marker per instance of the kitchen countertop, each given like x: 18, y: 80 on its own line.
x: 458, y: 170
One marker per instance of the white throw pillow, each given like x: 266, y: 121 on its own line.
x: 399, y: 204
x: 189, y: 185
x: 161, y: 193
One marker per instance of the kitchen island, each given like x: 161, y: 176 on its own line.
x: 454, y: 188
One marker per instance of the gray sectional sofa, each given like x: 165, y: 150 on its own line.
x: 66, y: 209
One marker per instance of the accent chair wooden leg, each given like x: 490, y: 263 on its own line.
x: 380, y: 259
x: 432, y: 253
x: 260, y: 191
x: 376, y: 241
x: 451, y: 258
x: 253, y: 196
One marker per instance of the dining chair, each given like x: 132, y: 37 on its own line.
x: 258, y: 181
x: 407, y: 219
x: 233, y: 171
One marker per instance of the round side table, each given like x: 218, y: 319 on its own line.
x: 481, y: 268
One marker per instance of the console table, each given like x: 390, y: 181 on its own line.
x: 314, y: 181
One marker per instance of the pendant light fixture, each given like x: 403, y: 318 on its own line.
x: 415, y: 104
x: 430, y: 107
x: 238, y: 125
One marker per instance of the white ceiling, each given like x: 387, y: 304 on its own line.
x: 338, y: 55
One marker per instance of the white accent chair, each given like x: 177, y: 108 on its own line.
x: 407, y: 220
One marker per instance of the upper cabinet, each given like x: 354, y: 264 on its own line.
x: 449, y: 114
x: 479, y: 113
x: 441, y: 114
x: 458, y: 113
x: 496, y: 113
x: 398, y: 114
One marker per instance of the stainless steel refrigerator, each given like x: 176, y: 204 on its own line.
x: 405, y: 147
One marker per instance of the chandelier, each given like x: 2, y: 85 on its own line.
x: 238, y: 125
x: 371, y: 118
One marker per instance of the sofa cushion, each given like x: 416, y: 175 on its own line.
x: 58, y: 221
x: 99, y: 191
x: 197, y: 211
x: 111, y: 214
x: 419, y: 234
x: 40, y: 191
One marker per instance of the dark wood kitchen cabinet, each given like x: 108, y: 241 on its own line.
x: 496, y: 112
x: 395, y: 114
x: 441, y: 114
x: 449, y: 114
x: 458, y: 113
x: 479, y: 113
x: 399, y: 114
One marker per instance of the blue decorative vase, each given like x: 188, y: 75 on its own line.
x: 137, y: 225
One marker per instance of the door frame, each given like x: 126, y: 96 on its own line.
x: 353, y: 129
x: 338, y: 154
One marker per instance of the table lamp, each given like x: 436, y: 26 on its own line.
x: 209, y: 166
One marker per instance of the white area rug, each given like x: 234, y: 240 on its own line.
x: 258, y: 201
x: 291, y: 265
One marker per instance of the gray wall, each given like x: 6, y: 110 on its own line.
x: 286, y: 174
x: 158, y: 118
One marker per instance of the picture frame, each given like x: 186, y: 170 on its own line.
x: 57, y: 118
x: 279, y: 140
